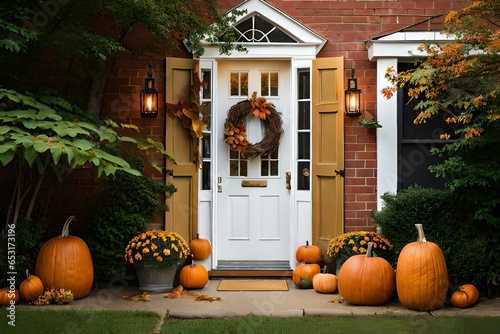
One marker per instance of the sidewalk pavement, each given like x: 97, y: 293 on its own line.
x: 292, y: 303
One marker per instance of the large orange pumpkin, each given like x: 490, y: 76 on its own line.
x: 193, y: 276
x: 308, y: 253
x: 200, y: 248
x: 421, y: 275
x: 7, y: 295
x: 305, y: 271
x: 65, y: 262
x: 31, y: 287
x: 466, y: 296
x: 366, y: 280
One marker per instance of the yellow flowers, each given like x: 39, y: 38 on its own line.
x: 356, y: 242
x: 155, y: 247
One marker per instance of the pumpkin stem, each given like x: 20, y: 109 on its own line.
x: 369, y: 249
x: 324, y: 269
x: 27, y: 273
x: 65, y: 229
x: 307, y: 243
x: 421, y: 235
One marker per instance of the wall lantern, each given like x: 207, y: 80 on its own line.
x: 149, y: 96
x: 352, y: 97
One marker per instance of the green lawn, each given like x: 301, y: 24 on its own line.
x: 102, y: 322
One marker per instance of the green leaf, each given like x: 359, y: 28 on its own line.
x: 4, y: 129
x: 40, y: 146
x: 71, y: 129
x: 10, y: 94
x: 8, y: 145
x: 56, y: 154
x: 7, y: 157
x: 128, y: 139
x: 111, y: 158
x: 82, y: 144
x: 36, y: 124
x: 30, y: 155
x: 27, y: 114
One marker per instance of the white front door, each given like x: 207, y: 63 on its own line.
x: 252, y: 222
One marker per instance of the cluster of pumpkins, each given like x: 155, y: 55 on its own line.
x: 420, y: 278
x: 65, y: 262
x: 195, y: 275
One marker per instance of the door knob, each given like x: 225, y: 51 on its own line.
x: 288, y: 180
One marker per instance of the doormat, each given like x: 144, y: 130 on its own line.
x: 252, y: 285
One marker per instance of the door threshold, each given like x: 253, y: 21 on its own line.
x: 214, y: 274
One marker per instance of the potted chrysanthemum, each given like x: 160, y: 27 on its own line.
x: 155, y: 255
x: 348, y: 244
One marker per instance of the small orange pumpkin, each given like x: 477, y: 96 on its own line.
x: 308, y: 253
x: 366, y: 280
x: 466, y: 296
x: 305, y: 271
x: 193, y: 276
x: 6, y: 296
x: 31, y: 287
x: 325, y: 283
x: 200, y: 248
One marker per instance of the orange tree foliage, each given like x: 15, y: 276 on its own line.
x: 461, y: 79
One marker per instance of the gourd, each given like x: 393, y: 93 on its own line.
x: 65, y: 262
x: 308, y: 253
x: 325, y: 282
x: 6, y: 296
x: 305, y: 271
x: 421, y: 275
x: 466, y: 296
x: 193, y: 276
x: 31, y: 287
x: 200, y: 248
x: 366, y: 280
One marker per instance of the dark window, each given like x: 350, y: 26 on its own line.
x: 304, y: 130
x: 416, y: 141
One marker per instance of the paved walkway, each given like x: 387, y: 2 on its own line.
x: 292, y: 303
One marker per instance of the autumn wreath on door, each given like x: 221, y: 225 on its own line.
x: 235, y: 130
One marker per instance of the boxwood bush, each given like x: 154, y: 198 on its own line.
x: 468, y: 246
x: 121, y: 210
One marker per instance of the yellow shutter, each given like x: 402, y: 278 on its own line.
x: 328, y: 149
x: 182, y: 216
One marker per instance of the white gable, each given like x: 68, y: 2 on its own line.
x: 302, y: 42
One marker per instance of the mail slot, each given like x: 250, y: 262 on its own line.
x: 254, y: 183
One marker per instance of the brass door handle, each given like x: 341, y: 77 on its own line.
x: 288, y: 180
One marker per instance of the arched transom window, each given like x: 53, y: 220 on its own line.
x: 256, y: 29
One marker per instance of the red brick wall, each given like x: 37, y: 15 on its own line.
x: 347, y: 25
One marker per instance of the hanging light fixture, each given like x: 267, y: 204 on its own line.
x: 352, y: 97
x: 149, y: 96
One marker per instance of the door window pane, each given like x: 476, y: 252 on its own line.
x: 238, y: 166
x: 239, y: 83
x: 269, y: 84
x: 269, y: 164
x: 304, y: 129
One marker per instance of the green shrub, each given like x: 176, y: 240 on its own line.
x: 122, y: 210
x: 468, y: 246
